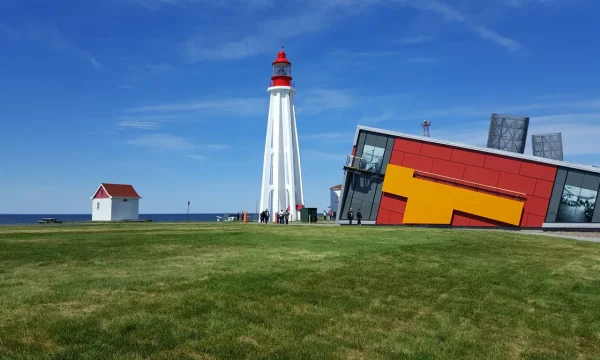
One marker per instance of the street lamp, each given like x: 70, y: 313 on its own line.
x: 187, y: 215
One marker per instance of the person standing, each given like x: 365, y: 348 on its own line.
x: 350, y: 215
x: 287, y: 216
x: 267, y: 216
x: 358, y: 217
x: 324, y: 215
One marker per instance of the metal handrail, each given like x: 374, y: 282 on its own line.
x: 520, y: 194
x: 351, y: 162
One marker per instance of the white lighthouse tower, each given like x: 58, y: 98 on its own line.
x: 282, y: 175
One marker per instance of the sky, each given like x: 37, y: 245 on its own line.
x: 171, y: 95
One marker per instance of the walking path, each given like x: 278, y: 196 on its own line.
x: 593, y: 236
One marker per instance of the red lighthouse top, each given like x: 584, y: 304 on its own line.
x: 282, y: 70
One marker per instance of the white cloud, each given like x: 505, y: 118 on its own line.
x: 10, y: 32
x: 414, y: 40
x: 451, y: 14
x: 163, y: 141
x: 214, y: 147
x: 329, y: 136
x: 580, y: 131
x: 137, y: 124
x: 95, y: 63
x: 376, y: 118
x: 138, y: 73
x: 324, y: 155
x: 521, y: 3
x: 240, y: 5
x: 197, y: 157
x: 52, y: 37
x: 320, y: 100
x: 173, y: 142
x: 314, y: 17
x: 239, y: 106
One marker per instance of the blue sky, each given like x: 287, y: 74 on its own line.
x: 170, y: 95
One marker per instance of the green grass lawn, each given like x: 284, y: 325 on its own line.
x: 234, y: 291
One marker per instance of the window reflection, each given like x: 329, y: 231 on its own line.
x: 372, y: 158
x: 576, y: 205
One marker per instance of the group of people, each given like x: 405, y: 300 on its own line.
x: 358, y: 217
x: 282, y: 217
x: 329, y: 216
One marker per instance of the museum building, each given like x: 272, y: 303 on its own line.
x: 400, y: 179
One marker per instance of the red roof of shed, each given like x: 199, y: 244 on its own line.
x: 337, y: 187
x: 119, y: 190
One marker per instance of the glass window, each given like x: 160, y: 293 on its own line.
x: 577, y: 205
x: 372, y: 158
x: 282, y: 69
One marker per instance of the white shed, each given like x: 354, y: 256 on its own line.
x: 335, y: 196
x: 115, y: 202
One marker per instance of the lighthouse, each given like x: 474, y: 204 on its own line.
x: 282, y: 175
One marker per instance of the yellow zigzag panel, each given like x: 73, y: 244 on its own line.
x: 433, y: 203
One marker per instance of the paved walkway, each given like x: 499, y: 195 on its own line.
x: 583, y: 236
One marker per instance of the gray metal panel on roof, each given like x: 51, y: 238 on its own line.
x: 548, y: 146
x: 508, y: 132
x: 484, y: 150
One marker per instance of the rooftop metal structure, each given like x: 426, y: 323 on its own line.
x: 590, y: 168
x: 508, y: 133
x: 548, y: 146
x: 426, y: 124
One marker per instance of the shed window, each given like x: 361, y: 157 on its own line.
x: 98, y: 205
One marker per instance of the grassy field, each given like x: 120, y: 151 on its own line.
x: 234, y: 291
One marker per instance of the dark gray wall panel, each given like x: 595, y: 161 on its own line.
x: 361, y: 137
x: 377, y: 198
x: 356, y: 204
x: 359, y: 150
x: 591, y: 182
x: 371, y: 139
x: 554, y: 202
x: 374, y: 211
x: 381, y: 141
x: 390, y: 144
x: 596, y: 217
x: 575, y: 178
x: 365, y: 209
x: 345, y: 210
x: 561, y: 176
x: 386, y: 160
x: 551, y: 217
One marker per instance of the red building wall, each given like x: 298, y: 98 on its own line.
x: 534, y: 179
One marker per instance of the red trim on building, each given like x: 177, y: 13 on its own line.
x: 101, y: 194
x: 116, y: 190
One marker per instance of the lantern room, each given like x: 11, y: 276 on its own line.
x: 282, y: 70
